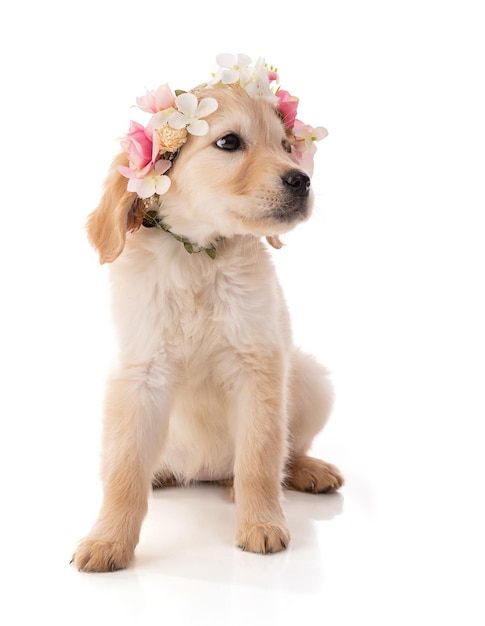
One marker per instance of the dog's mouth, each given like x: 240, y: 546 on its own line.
x: 293, y: 203
x: 294, y: 211
x: 275, y: 218
x: 274, y: 212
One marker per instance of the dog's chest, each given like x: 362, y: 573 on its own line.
x: 190, y: 309
x: 200, y: 318
x: 194, y: 318
x: 212, y: 320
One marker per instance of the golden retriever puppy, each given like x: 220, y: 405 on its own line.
x: 208, y: 385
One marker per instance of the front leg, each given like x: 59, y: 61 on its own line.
x: 260, y: 455
x: 136, y: 418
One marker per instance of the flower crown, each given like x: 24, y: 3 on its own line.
x: 151, y: 149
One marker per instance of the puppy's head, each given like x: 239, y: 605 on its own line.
x: 238, y: 179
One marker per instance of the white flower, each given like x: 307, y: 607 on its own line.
x: 189, y: 112
x: 257, y: 81
x: 260, y: 89
x: 261, y: 71
x: 159, y: 119
x: 153, y: 182
x: 233, y: 68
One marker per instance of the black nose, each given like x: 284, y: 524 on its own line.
x: 297, y: 182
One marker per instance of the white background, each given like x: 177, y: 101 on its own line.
x: 385, y: 285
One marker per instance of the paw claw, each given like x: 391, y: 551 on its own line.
x: 101, y: 556
x: 313, y: 476
x: 263, y: 538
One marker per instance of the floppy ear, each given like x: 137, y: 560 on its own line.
x: 120, y: 211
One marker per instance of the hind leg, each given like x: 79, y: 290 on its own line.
x: 304, y: 473
x: 310, y: 403
x: 163, y: 479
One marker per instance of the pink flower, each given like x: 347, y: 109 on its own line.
x: 303, y: 156
x: 138, y: 145
x: 287, y: 106
x: 304, y: 148
x: 154, y: 101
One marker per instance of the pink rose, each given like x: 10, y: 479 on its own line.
x: 287, y: 106
x: 139, y: 148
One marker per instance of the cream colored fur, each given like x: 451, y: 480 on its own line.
x: 208, y: 385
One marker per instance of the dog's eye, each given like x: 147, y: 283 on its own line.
x: 286, y: 145
x: 229, y: 142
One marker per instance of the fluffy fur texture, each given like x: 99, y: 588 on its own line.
x: 208, y: 384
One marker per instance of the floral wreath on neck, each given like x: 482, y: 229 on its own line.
x: 152, y: 149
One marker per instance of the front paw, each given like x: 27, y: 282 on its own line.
x: 263, y: 538
x: 93, y: 555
